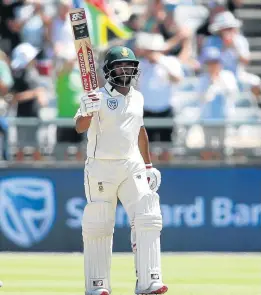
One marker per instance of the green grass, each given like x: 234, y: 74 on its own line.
x: 185, y: 274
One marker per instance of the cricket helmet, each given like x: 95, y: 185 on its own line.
x: 115, y: 73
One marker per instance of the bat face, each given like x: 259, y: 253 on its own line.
x: 84, y: 49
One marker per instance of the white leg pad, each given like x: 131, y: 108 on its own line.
x: 148, y: 225
x: 97, y: 230
x: 134, y: 246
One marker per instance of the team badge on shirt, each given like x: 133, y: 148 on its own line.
x: 112, y: 103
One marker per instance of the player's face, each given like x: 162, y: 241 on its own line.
x: 123, y: 68
x: 123, y: 72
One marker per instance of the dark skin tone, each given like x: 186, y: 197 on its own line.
x: 83, y: 123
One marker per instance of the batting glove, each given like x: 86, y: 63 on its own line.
x: 154, y: 177
x: 90, y: 102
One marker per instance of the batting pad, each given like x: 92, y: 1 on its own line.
x: 97, y: 231
x: 148, y: 225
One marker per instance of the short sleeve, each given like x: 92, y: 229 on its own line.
x: 77, y: 115
x: 5, y: 75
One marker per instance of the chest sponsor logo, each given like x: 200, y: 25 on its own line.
x: 112, y: 103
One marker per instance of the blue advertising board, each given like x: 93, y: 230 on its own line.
x: 204, y: 209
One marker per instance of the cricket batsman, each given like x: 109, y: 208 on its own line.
x: 118, y: 165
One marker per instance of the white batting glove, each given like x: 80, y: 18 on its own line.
x: 154, y: 177
x: 90, y: 102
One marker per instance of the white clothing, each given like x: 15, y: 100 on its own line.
x: 106, y: 180
x: 114, y: 169
x: 230, y: 56
x: 120, y: 120
x: 61, y: 31
x: 154, y: 82
x: 226, y: 84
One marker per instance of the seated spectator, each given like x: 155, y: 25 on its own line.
x: 159, y: 74
x: 27, y: 89
x: 234, y: 47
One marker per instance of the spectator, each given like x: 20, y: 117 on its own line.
x: 203, y: 30
x: 155, y: 12
x: 176, y: 35
x: 214, y: 81
x: 234, y: 48
x: 10, y: 26
x: 215, y: 7
x: 59, y: 29
x: 34, y: 30
x: 28, y: 92
x: 68, y: 91
x: 135, y: 24
x: 159, y: 74
x: 217, y: 92
x: 178, y: 38
x: 6, y: 82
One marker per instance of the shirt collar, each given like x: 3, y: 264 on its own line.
x: 112, y: 91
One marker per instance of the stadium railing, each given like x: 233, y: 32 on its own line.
x: 208, y: 139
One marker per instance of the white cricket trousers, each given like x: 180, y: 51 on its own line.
x: 107, y: 180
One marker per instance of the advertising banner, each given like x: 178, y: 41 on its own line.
x: 204, y: 209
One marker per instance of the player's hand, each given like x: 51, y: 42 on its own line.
x: 90, y: 102
x: 154, y: 177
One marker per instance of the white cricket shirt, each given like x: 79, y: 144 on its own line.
x: 120, y: 119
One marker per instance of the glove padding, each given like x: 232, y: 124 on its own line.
x: 154, y: 178
x: 90, y: 102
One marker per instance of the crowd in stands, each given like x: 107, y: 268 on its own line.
x: 193, y: 60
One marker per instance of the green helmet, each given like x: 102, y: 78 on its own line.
x: 116, y: 73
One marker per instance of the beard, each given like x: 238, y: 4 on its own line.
x: 123, y: 81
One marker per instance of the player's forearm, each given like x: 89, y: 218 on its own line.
x: 3, y: 89
x: 83, y: 124
x: 144, y: 145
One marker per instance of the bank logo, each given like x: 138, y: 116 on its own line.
x: 27, y: 209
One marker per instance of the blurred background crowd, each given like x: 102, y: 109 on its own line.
x: 200, y: 76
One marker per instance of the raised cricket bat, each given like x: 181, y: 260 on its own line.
x: 84, y: 52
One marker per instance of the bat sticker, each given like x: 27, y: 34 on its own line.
x: 77, y: 16
x: 80, y: 31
